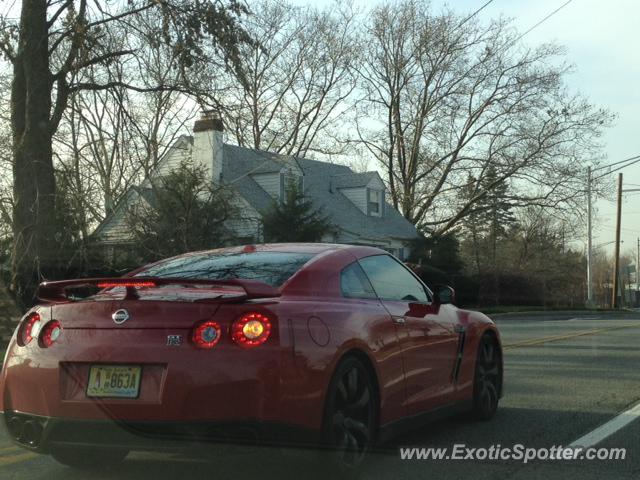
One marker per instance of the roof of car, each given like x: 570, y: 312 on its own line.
x: 281, y: 247
x: 311, y: 248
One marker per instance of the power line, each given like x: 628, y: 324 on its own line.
x: 632, y: 161
x: 544, y: 20
x: 474, y: 14
x: 595, y: 169
x: 637, y: 159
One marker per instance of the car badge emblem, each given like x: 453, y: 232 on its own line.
x: 120, y: 316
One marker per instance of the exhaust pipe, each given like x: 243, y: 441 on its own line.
x: 31, y: 433
x: 14, y: 425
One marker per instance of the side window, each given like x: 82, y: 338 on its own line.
x: 354, y: 283
x: 391, y: 280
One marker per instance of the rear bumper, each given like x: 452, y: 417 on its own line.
x: 179, y: 385
x: 42, y: 434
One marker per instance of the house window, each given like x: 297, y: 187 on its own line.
x: 287, y: 181
x: 375, y: 203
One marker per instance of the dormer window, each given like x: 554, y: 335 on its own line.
x: 290, y: 180
x: 275, y: 180
x: 364, y: 190
x: 374, y: 202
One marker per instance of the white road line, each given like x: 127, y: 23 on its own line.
x: 612, y: 426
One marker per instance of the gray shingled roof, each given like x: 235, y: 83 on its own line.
x: 242, y: 160
x: 240, y: 163
x: 352, y: 180
x: 322, y: 181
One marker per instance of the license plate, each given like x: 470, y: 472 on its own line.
x: 116, y: 381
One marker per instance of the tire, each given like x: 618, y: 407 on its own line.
x: 487, y: 379
x: 89, y: 458
x: 351, y: 416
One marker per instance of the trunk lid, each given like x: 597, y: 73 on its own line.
x: 132, y: 314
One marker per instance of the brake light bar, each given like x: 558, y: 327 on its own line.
x: 127, y: 284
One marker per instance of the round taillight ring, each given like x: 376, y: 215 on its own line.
x: 251, y: 329
x: 29, y: 328
x: 50, y: 333
x: 206, y: 334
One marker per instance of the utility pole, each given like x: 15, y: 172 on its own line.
x: 616, y: 269
x: 627, y: 162
x: 590, y: 302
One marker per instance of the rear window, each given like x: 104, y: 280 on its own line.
x: 273, y: 268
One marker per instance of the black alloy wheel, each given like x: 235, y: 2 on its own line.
x: 350, y: 414
x: 486, y: 388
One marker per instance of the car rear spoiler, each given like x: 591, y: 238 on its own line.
x: 56, y: 291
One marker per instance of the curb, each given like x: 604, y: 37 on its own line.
x: 564, y: 314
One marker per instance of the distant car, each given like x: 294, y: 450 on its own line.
x: 288, y: 343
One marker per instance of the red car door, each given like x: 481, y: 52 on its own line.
x: 356, y: 287
x: 427, y: 332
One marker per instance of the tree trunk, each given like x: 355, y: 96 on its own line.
x: 34, y: 226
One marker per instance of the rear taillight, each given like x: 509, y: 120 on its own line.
x: 206, y: 334
x: 30, y: 328
x: 251, y: 329
x: 50, y: 333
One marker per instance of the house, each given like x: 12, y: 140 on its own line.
x: 355, y: 202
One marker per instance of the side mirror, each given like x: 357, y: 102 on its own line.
x: 443, y: 294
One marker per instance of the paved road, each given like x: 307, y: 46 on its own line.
x: 564, y: 378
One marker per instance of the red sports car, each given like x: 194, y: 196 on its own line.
x: 296, y: 343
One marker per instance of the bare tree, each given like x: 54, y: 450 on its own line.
x: 114, y: 138
x: 447, y: 99
x: 49, y: 48
x: 6, y: 167
x: 156, y: 118
x: 296, y: 78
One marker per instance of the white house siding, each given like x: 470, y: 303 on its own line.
x: 357, y: 196
x: 177, y: 154
x: 248, y: 227
x: 115, y: 229
x: 269, y: 182
x: 394, y: 246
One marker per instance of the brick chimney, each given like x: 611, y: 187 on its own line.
x: 207, y: 143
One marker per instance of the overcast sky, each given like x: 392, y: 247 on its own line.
x: 602, y: 42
